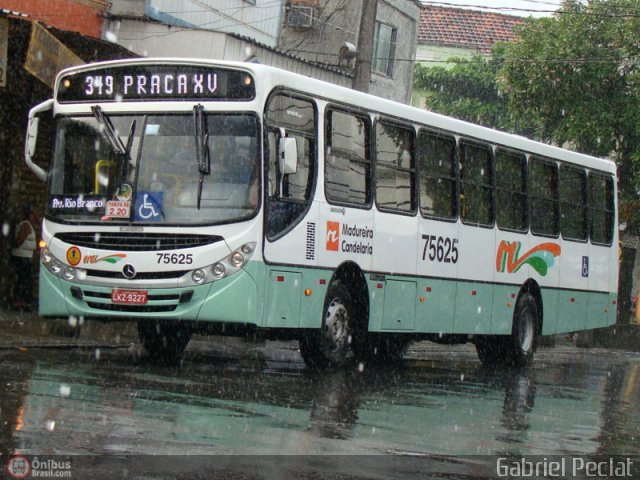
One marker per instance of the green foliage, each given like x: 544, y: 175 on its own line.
x: 467, y: 91
x: 576, y: 77
x: 572, y: 80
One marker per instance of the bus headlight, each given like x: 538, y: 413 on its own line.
x: 47, y: 258
x: 56, y: 266
x: 198, y: 276
x: 218, y: 270
x: 237, y: 259
x: 229, y: 265
x: 69, y: 273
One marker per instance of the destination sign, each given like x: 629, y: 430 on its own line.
x: 124, y: 83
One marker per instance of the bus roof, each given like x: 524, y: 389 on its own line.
x: 347, y: 97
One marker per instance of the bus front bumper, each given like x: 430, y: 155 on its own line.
x: 231, y: 300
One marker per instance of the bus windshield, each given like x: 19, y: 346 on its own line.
x: 147, y: 168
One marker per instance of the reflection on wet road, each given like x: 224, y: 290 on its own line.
x: 438, y: 401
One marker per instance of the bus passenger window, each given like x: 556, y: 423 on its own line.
x: 511, y: 190
x: 476, y: 184
x: 601, y: 204
x: 436, y: 155
x: 289, y: 195
x: 543, y: 197
x: 395, y: 168
x: 348, y: 162
x: 573, y: 203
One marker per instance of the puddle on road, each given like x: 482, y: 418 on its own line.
x: 568, y: 403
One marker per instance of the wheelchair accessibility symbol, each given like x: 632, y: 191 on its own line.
x: 148, y: 207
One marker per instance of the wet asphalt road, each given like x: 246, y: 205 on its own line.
x: 439, y: 404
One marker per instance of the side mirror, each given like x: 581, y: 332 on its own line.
x: 288, y: 155
x: 32, y: 136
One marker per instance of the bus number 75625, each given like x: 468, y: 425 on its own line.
x: 441, y: 249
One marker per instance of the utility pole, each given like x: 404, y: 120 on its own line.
x: 364, y: 52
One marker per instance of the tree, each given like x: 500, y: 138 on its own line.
x: 571, y: 80
x: 468, y: 90
x: 575, y: 77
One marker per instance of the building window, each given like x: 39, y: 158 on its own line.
x: 384, y: 43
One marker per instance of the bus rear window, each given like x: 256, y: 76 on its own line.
x: 601, y: 203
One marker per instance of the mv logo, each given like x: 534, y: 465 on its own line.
x: 333, y: 236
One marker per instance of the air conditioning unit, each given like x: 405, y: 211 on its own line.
x: 300, y: 17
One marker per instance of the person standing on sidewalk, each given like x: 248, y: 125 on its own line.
x: 22, y: 259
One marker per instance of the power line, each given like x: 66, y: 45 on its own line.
x: 631, y: 11
x: 176, y: 30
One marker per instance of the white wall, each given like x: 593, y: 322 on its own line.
x: 260, y: 21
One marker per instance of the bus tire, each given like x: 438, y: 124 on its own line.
x: 518, y: 348
x: 330, y: 345
x: 164, y: 341
x: 525, y: 331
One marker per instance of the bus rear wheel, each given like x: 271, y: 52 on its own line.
x: 164, y: 341
x: 518, y: 348
x: 331, y: 344
x: 525, y: 330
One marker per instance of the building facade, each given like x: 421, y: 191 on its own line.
x: 31, y: 53
x: 303, y: 36
x: 447, y: 32
x: 328, y: 31
x: 82, y: 16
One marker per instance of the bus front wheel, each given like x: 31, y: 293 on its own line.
x: 163, y: 341
x: 331, y: 344
x: 518, y: 348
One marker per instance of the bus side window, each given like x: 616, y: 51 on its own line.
x: 601, y: 204
x: 476, y: 184
x: 395, y: 167
x: 573, y: 203
x: 436, y: 155
x: 289, y: 195
x: 348, y: 161
x: 543, y: 197
x: 511, y: 190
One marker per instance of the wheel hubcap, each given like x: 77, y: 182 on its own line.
x: 336, y: 324
x: 527, y: 331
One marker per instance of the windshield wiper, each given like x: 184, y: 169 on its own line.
x: 203, y: 158
x: 122, y: 151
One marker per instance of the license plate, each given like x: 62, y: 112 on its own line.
x: 129, y: 297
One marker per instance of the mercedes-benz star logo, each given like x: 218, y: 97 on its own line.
x: 128, y: 271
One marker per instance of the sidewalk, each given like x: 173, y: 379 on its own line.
x: 27, y: 329
x: 24, y: 330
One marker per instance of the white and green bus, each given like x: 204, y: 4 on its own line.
x: 197, y: 196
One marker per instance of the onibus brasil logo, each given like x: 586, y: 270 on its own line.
x: 541, y: 257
